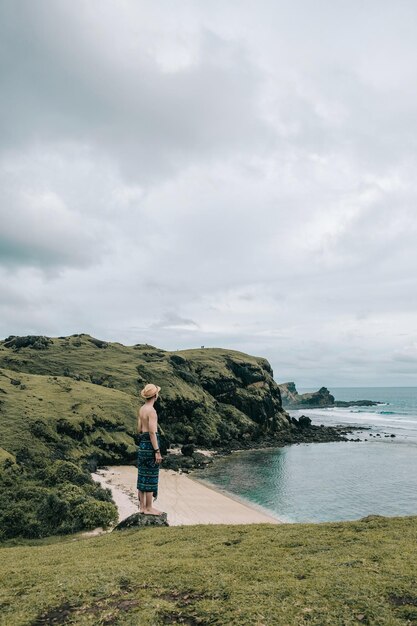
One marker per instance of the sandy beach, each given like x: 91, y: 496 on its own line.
x: 186, y: 500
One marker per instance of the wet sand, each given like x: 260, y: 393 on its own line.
x: 186, y: 500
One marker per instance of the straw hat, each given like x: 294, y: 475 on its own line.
x: 149, y: 391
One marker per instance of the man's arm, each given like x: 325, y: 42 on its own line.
x: 152, y: 434
x: 152, y: 428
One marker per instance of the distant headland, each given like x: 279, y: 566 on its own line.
x: 322, y: 398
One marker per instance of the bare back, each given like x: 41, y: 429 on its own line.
x: 147, y: 419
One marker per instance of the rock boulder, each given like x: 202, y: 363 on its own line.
x: 140, y: 519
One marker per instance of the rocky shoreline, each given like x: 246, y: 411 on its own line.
x: 188, y: 457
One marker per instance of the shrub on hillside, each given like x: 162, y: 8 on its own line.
x: 19, y: 520
x: 90, y: 514
x: 65, y: 471
x: 71, y: 509
x: 64, y: 427
x: 44, y: 431
x: 57, y: 498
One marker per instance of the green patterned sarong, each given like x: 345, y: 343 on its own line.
x: 148, y: 469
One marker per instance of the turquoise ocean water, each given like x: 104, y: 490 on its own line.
x: 318, y: 482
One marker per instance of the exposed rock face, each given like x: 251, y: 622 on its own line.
x: 31, y: 341
x: 322, y: 397
x: 304, y: 422
x: 291, y: 399
x: 186, y: 463
x: 289, y: 393
x: 140, y: 519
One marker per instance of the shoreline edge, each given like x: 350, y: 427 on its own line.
x: 186, y: 500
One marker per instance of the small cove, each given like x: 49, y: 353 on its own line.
x: 319, y: 482
x: 332, y: 481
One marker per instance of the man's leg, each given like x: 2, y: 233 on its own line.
x: 142, y: 502
x: 150, y: 510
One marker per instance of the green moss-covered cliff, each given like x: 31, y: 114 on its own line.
x: 68, y: 404
x: 83, y: 394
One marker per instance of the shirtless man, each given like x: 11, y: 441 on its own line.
x: 148, y: 423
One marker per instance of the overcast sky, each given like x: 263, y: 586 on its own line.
x: 231, y: 174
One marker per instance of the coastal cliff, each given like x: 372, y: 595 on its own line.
x: 87, y: 391
x: 69, y: 404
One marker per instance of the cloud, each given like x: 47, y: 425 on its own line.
x: 171, y: 320
x: 408, y: 354
x: 214, y: 175
x: 65, y: 85
x: 40, y: 229
x: 53, y: 215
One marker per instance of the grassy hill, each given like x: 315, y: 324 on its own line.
x: 344, y: 573
x: 209, y: 396
x: 70, y: 403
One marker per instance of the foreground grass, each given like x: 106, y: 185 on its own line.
x: 361, y: 572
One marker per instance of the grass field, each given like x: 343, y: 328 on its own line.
x: 336, y: 574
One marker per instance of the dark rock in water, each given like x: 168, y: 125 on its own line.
x: 201, y: 460
x: 304, y: 421
x: 356, y: 403
x: 188, y: 449
x: 140, y: 519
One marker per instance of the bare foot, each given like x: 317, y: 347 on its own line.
x: 152, y: 511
